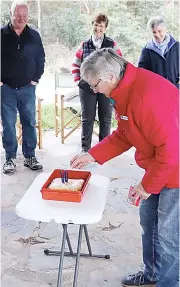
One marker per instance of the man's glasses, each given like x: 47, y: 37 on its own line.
x: 95, y: 86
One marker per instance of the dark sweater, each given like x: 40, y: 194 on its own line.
x: 22, y: 57
x: 166, y: 65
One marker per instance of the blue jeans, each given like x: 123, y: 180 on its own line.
x: 159, y: 219
x: 22, y: 100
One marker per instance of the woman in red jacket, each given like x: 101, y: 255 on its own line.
x: 147, y: 108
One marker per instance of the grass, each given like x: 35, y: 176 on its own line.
x: 48, y: 118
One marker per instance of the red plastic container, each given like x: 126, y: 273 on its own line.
x: 65, y: 195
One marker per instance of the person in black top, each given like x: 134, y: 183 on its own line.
x: 89, y: 104
x: 22, y: 64
x: 161, y: 55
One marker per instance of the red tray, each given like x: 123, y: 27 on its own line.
x: 65, y: 195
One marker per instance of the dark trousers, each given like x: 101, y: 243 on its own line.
x: 22, y: 100
x: 89, y: 102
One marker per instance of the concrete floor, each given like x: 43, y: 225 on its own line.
x: 118, y: 234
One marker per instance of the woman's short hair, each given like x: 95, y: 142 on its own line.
x: 155, y: 21
x: 101, y: 18
x: 101, y: 63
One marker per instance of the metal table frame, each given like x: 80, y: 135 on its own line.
x: 78, y: 254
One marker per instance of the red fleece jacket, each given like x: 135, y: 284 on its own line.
x: 147, y: 107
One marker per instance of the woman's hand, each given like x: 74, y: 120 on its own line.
x: 138, y: 192
x: 81, y: 160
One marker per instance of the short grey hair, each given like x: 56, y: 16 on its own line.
x: 156, y: 21
x: 18, y: 3
x: 101, y: 63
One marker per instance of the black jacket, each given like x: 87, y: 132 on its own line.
x: 166, y: 66
x: 22, y: 57
x: 88, y: 48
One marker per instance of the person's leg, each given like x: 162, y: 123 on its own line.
x: 150, y: 244
x: 105, y: 114
x: 9, y: 116
x: 88, y: 109
x: 168, y: 230
x: 27, y: 111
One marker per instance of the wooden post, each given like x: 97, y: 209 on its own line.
x: 56, y: 114
x: 40, y: 123
x: 62, y: 119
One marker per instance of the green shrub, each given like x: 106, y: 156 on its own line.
x: 48, y: 117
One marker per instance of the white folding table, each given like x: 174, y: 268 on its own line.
x: 88, y: 211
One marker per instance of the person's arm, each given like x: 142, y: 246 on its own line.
x: 117, y: 49
x: 107, y: 149
x: 40, y: 60
x: 77, y: 63
x: 144, y: 60
x: 160, y: 128
x: 110, y: 147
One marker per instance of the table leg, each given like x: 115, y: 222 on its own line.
x: 87, y: 240
x: 89, y: 247
x: 68, y: 242
x: 78, y: 256
x: 62, y: 253
x: 73, y: 254
x: 62, y: 256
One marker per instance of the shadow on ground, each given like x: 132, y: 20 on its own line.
x: 23, y: 261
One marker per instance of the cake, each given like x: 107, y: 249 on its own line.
x: 72, y: 185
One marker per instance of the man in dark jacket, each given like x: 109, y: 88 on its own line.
x: 22, y: 65
x: 161, y: 55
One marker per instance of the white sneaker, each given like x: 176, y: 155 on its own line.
x: 9, y: 165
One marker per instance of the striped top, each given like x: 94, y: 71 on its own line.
x: 87, y: 48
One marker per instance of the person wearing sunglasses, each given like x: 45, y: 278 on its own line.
x: 89, y: 104
x: 148, y: 119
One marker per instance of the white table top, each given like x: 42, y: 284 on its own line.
x: 88, y: 211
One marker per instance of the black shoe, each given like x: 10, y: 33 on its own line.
x: 32, y: 163
x: 9, y: 166
x: 137, y: 279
